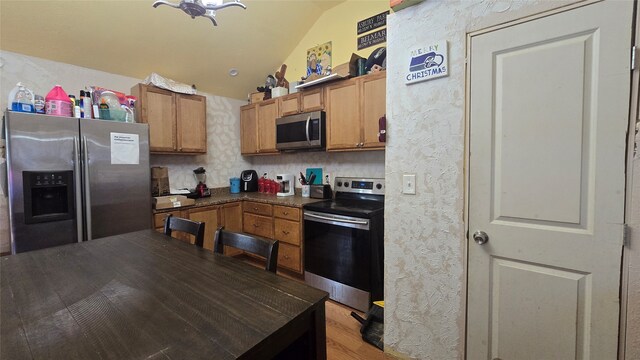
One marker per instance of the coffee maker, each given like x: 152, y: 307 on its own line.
x: 287, y: 184
x: 201, y: 178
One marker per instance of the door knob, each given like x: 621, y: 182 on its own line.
x: 480, y: 237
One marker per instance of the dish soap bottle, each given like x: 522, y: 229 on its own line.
x: 21, y: 99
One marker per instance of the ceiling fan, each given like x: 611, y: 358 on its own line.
x: 199, y: 8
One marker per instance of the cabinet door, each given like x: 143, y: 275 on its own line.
x: 191, y: 123
x: 343, y: 116
x: 159, y: 111
x: 373, y: 105
x: 210, y: 216
x: 289, y: 104
x: 267, y: 114
x: 311, y: 100
x: 232, y: 221
x: 248, y: 130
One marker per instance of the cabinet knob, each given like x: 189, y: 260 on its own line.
x: 285, y: 232
x: 286, y: 256
x: 255, y: 225
x: 285, y: 213
x: 255, y: 209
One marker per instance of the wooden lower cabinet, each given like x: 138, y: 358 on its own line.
x: 289, y: 257
x: 258, y: 225
x: 282, y: 223
x: 232, y: 219
x: 210, y: 216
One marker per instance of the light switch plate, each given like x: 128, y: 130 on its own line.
x: 409, y: 184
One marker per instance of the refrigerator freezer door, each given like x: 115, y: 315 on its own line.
x: 117, y: 177
x: 39, y: 146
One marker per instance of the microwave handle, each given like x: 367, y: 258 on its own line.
x: 307, y: 128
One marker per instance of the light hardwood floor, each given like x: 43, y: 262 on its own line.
x: 344, y: 341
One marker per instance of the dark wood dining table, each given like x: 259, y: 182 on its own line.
x: 145, y: 295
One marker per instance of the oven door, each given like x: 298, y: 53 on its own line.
x: 338, y: 248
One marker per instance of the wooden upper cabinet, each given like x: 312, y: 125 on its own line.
x: 303, y: 101
x: 177, y: 122
x: 373, y: 104
x: 267, y: 113
x: 248, y: 130
x: 312, y: 100
x: 156, y: 107
x: 343, y: 115
x: 289, y: 104
x: 191, y: 122
x: 354, y: 108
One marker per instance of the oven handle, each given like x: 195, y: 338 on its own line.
x: 336, y: 221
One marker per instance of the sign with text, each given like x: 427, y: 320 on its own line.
x: 373, y: 22
x: 371, y: 39
x: 125, y: 149
x: 428, y: 62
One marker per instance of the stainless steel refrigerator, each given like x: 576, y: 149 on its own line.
x: 70, y: 180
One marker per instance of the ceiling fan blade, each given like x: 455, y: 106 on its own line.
x: 225, y: 5
x: 163, y: 2
x: 213, y: 20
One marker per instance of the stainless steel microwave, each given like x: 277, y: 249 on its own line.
x: 304, y: 131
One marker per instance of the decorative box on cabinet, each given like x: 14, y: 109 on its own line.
x: 177, y: 122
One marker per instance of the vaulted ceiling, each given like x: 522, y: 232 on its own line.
x: 130, y: 37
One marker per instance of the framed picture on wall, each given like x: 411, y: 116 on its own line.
x: 319, y: 60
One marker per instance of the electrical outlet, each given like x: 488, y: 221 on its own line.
x: 327, y: 179
x: 409, y: 184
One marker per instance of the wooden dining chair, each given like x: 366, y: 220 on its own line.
x: 253, y: 244
x: 194, y: 228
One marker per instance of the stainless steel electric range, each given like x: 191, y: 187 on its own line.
x: 344, y: 247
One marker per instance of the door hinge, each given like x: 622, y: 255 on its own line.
x: 626, y: 235
x: 633, y: 58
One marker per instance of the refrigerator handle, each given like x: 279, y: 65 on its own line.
x: 87, y: 187
x: 77, y: 186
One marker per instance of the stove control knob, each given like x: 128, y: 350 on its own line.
x: 378, y: 186
x: 339, y: 183
x: 346, y: 184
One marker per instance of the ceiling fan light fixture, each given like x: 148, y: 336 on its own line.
x: 195, y: 8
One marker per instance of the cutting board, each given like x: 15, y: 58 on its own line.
x: 318, y: 172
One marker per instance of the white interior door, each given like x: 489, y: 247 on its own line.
x: 548, y: 120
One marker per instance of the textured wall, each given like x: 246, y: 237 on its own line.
x: 424, y: 233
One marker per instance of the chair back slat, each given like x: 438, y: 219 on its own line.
x: 194, y: 228
x: 253, y: 244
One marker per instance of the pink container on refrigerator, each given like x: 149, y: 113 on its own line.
x: 57, y: 102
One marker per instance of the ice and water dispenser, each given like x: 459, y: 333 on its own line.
x: 48, y: 196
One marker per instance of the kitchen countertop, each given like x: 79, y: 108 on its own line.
x: 221, y: 197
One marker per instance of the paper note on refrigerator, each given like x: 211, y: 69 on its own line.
x: 125, y: 149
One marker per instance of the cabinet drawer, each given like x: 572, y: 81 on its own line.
x: 286, y: 212
x: 258, y: 225
x: 258, y: 208
x: 289, y: 257
x: 158, y: 219
x: 287, y: 231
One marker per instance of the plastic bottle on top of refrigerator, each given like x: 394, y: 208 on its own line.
x: 21, y: 99
x: 57, y: 102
